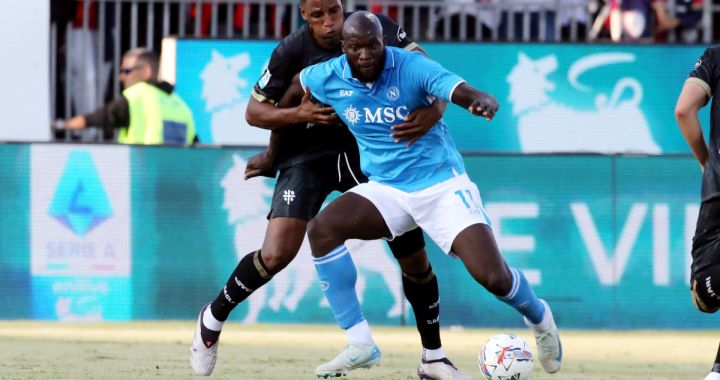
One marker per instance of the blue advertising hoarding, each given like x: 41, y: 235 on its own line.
x: 553, y: 98
x: 605, y: 239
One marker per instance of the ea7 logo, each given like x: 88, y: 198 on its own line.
x: 346, y: 92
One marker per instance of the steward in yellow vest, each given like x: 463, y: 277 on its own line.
x: 157, y: 116
x: 148, y: 112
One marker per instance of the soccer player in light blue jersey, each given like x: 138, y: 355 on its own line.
x: 372, y: 88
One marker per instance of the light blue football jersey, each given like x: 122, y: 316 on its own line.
x: 408, y: 82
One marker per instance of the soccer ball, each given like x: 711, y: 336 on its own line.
x: 506, y: 357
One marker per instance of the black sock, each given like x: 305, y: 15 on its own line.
x: 422, y: 293
x: 716, y: 367
x: 249, y: 275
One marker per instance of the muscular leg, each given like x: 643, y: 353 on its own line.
x: 283, y: 239
x: 351, y: 216
x: 477, y: 249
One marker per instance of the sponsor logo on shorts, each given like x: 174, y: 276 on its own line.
x: 288, y: 196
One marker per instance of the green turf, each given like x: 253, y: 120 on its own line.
x: 159, y: 350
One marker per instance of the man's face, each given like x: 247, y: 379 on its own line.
x: 325, y: 20
x: 365, y: 55
x: 132, y: 72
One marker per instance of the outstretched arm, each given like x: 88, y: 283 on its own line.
x: 475, y: 101
x: 691, y: 99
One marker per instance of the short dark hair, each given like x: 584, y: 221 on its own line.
x: 145, y: 56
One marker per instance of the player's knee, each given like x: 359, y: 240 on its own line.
x: 276, y: 260
x: 704, y: 290
x: 414, y: 263
x: 320, y: 235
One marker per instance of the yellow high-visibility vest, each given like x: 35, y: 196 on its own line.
x: 156, y: 117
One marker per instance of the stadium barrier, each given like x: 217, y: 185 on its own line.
x: 108, y: 232
x: 86, y: 50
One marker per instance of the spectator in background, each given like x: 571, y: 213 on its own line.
x: 148, y: 112
x: 689, y: 13
x: 643, y: 19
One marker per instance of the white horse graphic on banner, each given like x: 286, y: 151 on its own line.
x: 226, y: 95
x: 617, y: 124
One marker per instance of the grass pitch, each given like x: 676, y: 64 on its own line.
x: 159, y: 350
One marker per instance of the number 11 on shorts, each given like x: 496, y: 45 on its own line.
x: 475, y: 205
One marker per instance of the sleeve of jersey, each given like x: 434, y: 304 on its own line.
x: 705, y: 72
x: 395, y: 35
x: 313, y: 77
x: 431, y: 77
x: 274, y: 81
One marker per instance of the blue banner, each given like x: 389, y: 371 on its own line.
x: 553, y: 98
x: 605, y: 239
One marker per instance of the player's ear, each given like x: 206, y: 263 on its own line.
x: 342, y: 45
x: 302, y: 10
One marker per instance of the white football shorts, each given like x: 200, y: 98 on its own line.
x: 442, y: 210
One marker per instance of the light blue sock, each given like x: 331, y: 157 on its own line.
x: 523, y: 299
x: 338, y: 275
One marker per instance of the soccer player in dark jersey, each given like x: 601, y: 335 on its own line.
x: 315, y: 156
x: 702, y: 85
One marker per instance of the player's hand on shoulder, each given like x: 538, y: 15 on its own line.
x: 484, y: 105
x: 310, y: 112
x: 260, y: 164
x: 416, y: 124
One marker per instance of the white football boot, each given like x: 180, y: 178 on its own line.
x: 442, y: 369
x: 202, y: 357
x: 354, y: 356
x: 547, y: 339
